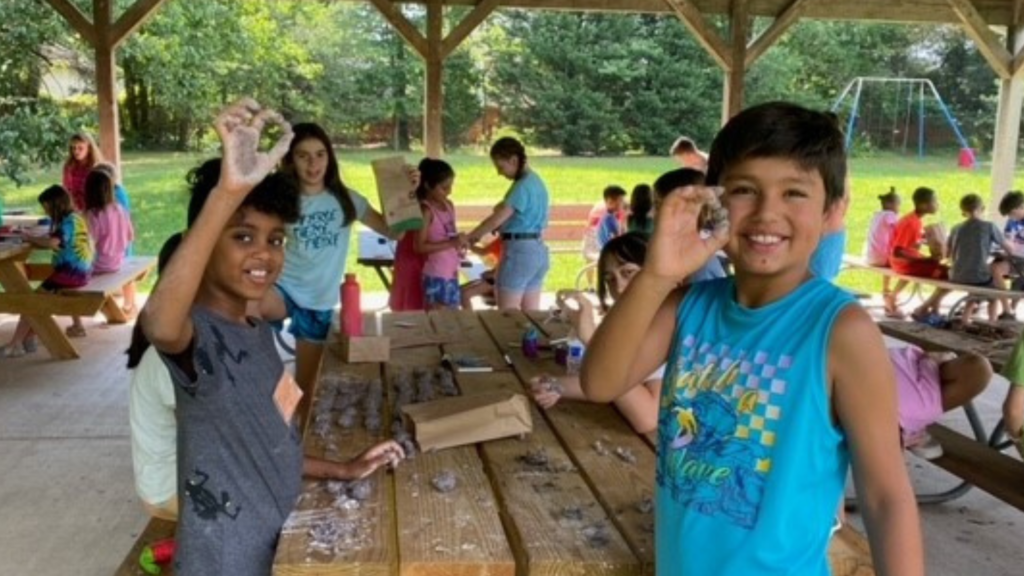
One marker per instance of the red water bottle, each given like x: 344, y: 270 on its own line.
x: 351, y: 314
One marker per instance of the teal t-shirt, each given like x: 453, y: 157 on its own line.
x: 750, y: 467
x: 316, y: 250
x: 528, y: 197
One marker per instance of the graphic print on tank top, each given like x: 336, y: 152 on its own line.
x: 720, y: 412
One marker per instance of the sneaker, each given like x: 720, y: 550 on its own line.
x: 11, y: 351
x: 923, y: 445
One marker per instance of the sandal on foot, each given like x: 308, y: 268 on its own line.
x: 75, y: 331
x: 11, y: 351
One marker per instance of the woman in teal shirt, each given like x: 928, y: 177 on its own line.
x: 521, y: 218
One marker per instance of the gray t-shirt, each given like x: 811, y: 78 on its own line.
x: 239, y: 462
x: 970, y: 248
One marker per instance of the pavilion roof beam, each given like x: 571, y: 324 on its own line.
x: 403, y: 26
x: 469, y: 23
x: 80, y: 22
x: 988, y: 42
x: 707, y: 36
x: 132, y: 18
x: 771, y: 35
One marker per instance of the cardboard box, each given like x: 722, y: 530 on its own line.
x: 469, y: 419
x: 364, y: 349
x: 397, y: 196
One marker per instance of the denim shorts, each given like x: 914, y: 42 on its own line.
x: 524, y: 264
x: 310, y: 325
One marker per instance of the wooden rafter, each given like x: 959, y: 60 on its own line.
x: 76, y: 19
x: 707, y: 36
x: 987, y: 41
x: 480, y: 12
x: 782, y: 23
x: 132, y: 18
x: 402, y: 25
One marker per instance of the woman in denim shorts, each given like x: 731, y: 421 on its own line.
x: 521, y: 218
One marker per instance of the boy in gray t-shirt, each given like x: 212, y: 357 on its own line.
x: 240, y: 459
x: 970, y: 247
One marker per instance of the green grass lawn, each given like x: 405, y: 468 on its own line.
x: 155, y: 183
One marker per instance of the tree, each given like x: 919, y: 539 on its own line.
x: 33, y: 129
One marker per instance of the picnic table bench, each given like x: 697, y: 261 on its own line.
x: 977, y: 461
x: 19, y: 297
x: 585, y: 510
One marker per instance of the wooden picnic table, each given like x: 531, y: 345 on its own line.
x: 977, y: 461
x: 586, y: 510
x: 41, y: 308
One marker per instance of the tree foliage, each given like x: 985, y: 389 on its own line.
x: 579, y: 83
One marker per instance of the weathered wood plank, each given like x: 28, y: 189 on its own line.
x: 623, y: 484
x: 374, y: 549
x: 849, y: 554
x: 994, y: 472
x: 469, y: 23
x: 987, y: 41
x: 778, y: 27
x: 454, y: 534
x: 553, y: 520
x: 468, y: 338
x: 406, y: 29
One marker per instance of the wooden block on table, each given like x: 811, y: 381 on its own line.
x: 357, y: 349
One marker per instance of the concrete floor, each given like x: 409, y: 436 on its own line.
x: 68, y: 502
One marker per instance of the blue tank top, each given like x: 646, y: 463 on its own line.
x: 750, y: 467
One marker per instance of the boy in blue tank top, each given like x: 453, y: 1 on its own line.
x: 776, y: 380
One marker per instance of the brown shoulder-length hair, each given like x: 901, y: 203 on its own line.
x: 332, y: 176
x: 93, y: 158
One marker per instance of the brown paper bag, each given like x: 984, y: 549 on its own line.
x: 468, y: 419
x: 397, y: 198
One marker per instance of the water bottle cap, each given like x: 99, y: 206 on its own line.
x: 350, y: 276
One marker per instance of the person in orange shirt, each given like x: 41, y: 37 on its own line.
x: 906, y: 256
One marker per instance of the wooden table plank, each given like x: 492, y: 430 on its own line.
x: 937, y: 339
x: 623, y: 484
x: 464, y: 333
x: 374, y: 551
x: 458, y: 533
x: 555, y: 523
x: 994, y: 472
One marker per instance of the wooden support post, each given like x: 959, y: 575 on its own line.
x: 1008, y: 116
x: 402, y: 25
x: 106, y: 81
x: 104, y: 35
x: 739, y: 26
x: 433, y: 106
x: 466, y: 27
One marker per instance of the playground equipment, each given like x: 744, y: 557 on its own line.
x: 887, y: 110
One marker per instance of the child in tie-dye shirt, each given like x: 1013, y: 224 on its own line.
x: 72, y: 261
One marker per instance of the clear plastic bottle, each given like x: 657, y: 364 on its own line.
x: 574, y: 358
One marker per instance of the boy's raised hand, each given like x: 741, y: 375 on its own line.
x: 677, y: 247
x: 239, y: 127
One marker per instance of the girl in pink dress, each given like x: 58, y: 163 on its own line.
x: 111, y: 230
x: 439, y: 239
x: 879, y: 244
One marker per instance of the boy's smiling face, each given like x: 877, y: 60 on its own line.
x: 246, y: 260
x: 776, y: 216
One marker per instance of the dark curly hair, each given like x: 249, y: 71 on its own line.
x: 277, y: 194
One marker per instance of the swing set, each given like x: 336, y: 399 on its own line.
x: 887, y: 112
